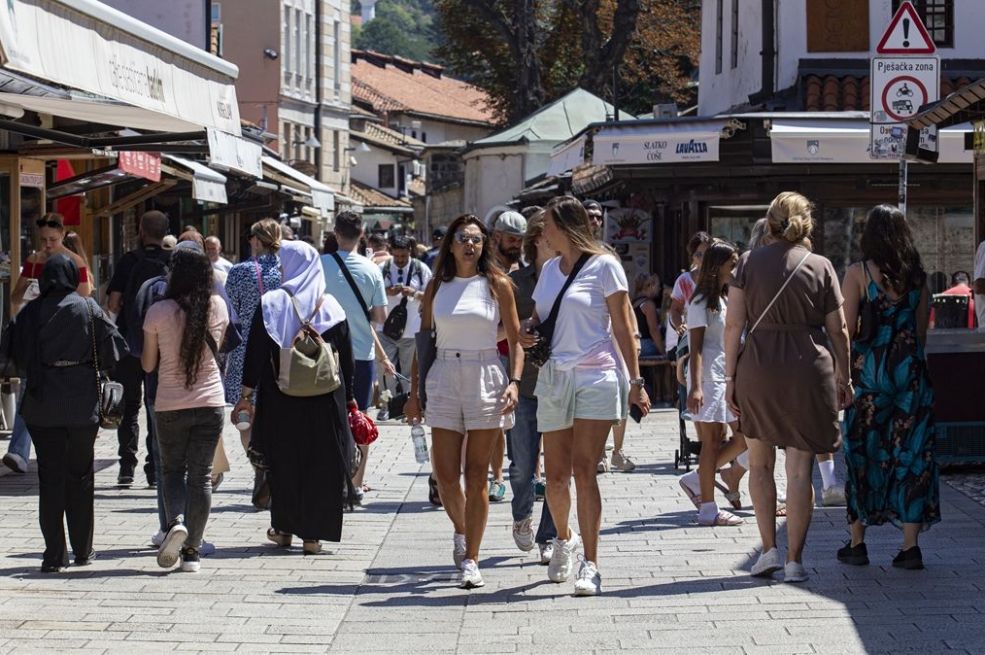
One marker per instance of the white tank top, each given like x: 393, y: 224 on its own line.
x: 466, y: 316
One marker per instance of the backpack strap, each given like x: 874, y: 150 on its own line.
x: 297, y: 309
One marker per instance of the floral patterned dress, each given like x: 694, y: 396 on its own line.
x: 889, y: 430
x: 243, y: 286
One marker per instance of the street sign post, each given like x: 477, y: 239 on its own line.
x: 904, y: 76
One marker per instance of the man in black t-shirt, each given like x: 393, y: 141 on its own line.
x: 133, y: 269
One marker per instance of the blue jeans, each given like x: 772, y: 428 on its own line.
x: 150, y: 393
x: 524, y: 450
x: 187, y: 440
x: 20, y: 437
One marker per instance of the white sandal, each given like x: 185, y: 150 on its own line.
x: 724, y: 518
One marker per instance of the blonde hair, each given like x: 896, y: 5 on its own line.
x: 572, y: 219
x: 758, y: 234
x: 789, y: 217
x: 268, y: 232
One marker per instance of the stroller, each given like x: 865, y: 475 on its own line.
x: 687, y: 452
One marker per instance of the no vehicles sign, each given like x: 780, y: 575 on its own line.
x: 899, y: 87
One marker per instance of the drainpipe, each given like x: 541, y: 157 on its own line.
x: 768, y: 53
x: 318, y: 91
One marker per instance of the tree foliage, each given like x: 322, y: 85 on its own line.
x: 402, y: 27
x: 525, y: 53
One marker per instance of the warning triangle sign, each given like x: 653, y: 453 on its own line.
x: 906, y: 34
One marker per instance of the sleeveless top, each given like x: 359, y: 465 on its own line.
x: 466, y: 316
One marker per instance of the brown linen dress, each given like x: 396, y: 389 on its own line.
x: 785, y: 380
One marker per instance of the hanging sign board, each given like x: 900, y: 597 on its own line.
x: 901, y: 81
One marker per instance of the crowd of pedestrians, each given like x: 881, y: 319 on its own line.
x: 516, y: 339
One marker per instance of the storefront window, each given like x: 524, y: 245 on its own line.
x: 734, y: 224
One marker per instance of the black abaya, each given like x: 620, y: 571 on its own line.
x: 306, y: 442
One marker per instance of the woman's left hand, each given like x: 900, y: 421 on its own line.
x: 730, y: 398
x: 510, y: 397
x: 639, y: 397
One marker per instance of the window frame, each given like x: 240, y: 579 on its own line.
x: 943, y: 8
x: 734, y: 45
x: 391, y: 174
x: 719, y: 19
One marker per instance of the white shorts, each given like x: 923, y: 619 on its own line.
x: 465, y: 390
x: 587, y: 393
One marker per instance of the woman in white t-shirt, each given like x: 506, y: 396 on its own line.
x: 468, y: 390
x: 582, y: 389
x: 684, y: 289
x: 706, y: 403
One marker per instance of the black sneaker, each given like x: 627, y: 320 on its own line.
x: 910, y: 559
x: 170, y: 548
x: 125, y: 478
x: 86, y: 560
x: 854, y: 555
x: 189, y: 560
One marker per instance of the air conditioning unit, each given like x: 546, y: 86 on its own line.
x: 665, y: 111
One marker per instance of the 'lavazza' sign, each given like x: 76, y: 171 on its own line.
x: 638, y: 149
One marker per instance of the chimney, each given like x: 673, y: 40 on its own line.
x: 368, y: 10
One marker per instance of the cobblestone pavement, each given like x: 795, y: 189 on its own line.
x: 669, y: 585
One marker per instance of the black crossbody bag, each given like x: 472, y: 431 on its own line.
x: 540, y: 352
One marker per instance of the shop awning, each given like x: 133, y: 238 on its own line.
x: 207, y: 184
x: 87, y: 45
x: 667, y: 142
x: 102, y: 112
x: 322, y: 196
x: 833, y: 141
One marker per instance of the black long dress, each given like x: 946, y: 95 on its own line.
x: 305, y: 442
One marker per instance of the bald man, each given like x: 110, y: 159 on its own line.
x: 213, y: 248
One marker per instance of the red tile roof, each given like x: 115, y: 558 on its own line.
x: 389, y: 83
x: 851, y: 92
x: 367, y: 196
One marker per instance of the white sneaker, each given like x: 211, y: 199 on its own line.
x: 471, y: 578
x: 834, y: 496
x: 589, y: 582
x: 158, y: 538
x: 546, y: 553
x: 170, y: 549
x: 794, y: 572
x: 458, y: 550
x: 768, y: 563
x: 559, y: 570
x: 603, y: 466
x: 619, y: 462
x: 523, y: 534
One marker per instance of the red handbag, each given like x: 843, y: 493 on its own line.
x: 364, y: 430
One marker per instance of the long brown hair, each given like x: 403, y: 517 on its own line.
x: 445, y: 268
x: 571, y: 218
x: 888, y: 241
x: 710, y: 286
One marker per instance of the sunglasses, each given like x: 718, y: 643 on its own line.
x: 474, y: 239
x: 44, y: 223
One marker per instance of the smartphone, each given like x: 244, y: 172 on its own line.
x: 635, y: 413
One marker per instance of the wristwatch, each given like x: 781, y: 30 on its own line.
x: 637, y: 382
x: 515, y: 381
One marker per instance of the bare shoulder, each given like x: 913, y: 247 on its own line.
x: 501, y: 284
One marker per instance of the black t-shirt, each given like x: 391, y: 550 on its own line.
x: 125, y: 269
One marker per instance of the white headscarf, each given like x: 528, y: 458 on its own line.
x: 302, y: 277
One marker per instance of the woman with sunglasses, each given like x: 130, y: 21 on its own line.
x: 468, y: 391
x: 587, y: 384
x: 51, y: 234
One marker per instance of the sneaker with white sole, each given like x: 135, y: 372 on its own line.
x: 497, y: 491
x: 834, y: 496
x: 158, y: 538
x: 794, y: 572
x: 768, y: 563
x: 589, y: 582
x: 189, y: 560
x: 170, y: 549
x: 620, y: 462
x: 471, y: 578
x: 562, y: 560
x: 546, y: 553
x: 458, y: 550
x: 603, y: 466
x: 15, y: 463
x: 523, y: 534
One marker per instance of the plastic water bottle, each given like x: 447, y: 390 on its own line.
x: 420, y: 443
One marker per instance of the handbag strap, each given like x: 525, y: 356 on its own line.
x: 95, y: 361
x: 352, y: 285
x: 256, y: 263
x: 782, y: 287
x: 556, y: 308
x: 868, y: 277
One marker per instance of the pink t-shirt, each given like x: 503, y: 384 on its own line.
x: 166, y: 320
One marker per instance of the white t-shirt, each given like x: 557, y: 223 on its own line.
x: 979, y: 275
x: 583, y: 322
x: 466, y: 316
x: 713, y: 347
x: 408, y: 276
x: 683, y: 288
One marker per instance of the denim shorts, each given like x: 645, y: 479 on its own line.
x: 586, y: 393
x: 465, y: 390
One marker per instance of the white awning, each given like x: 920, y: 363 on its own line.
x: 84, y: 44
x: 658, y: 143
x: 207, y: 184
x: 94, y: 111
x: 322, y: 196
x: 567, y: 156
x: 832, y: 141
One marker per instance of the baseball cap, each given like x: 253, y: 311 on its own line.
x: 190, y: 245
x: 591, y: 204
x: 439, y: 231
x: 511, y: 222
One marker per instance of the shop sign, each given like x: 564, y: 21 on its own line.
x: 146, y: 165
x: 660, y: 148
x: 231, y: 152
x: 33, y: 180
x: 49, y: 40
x: 567, y: 157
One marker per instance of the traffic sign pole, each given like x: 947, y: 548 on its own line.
x: 903, y: 175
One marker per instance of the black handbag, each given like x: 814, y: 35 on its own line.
x: 868, y: 313
x: 395, y: 323
x: 539, y: 353
x: 427, y: 350
x: 109, y: 393
x: 8, y: 365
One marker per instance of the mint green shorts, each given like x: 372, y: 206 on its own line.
x: 586, y: 393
